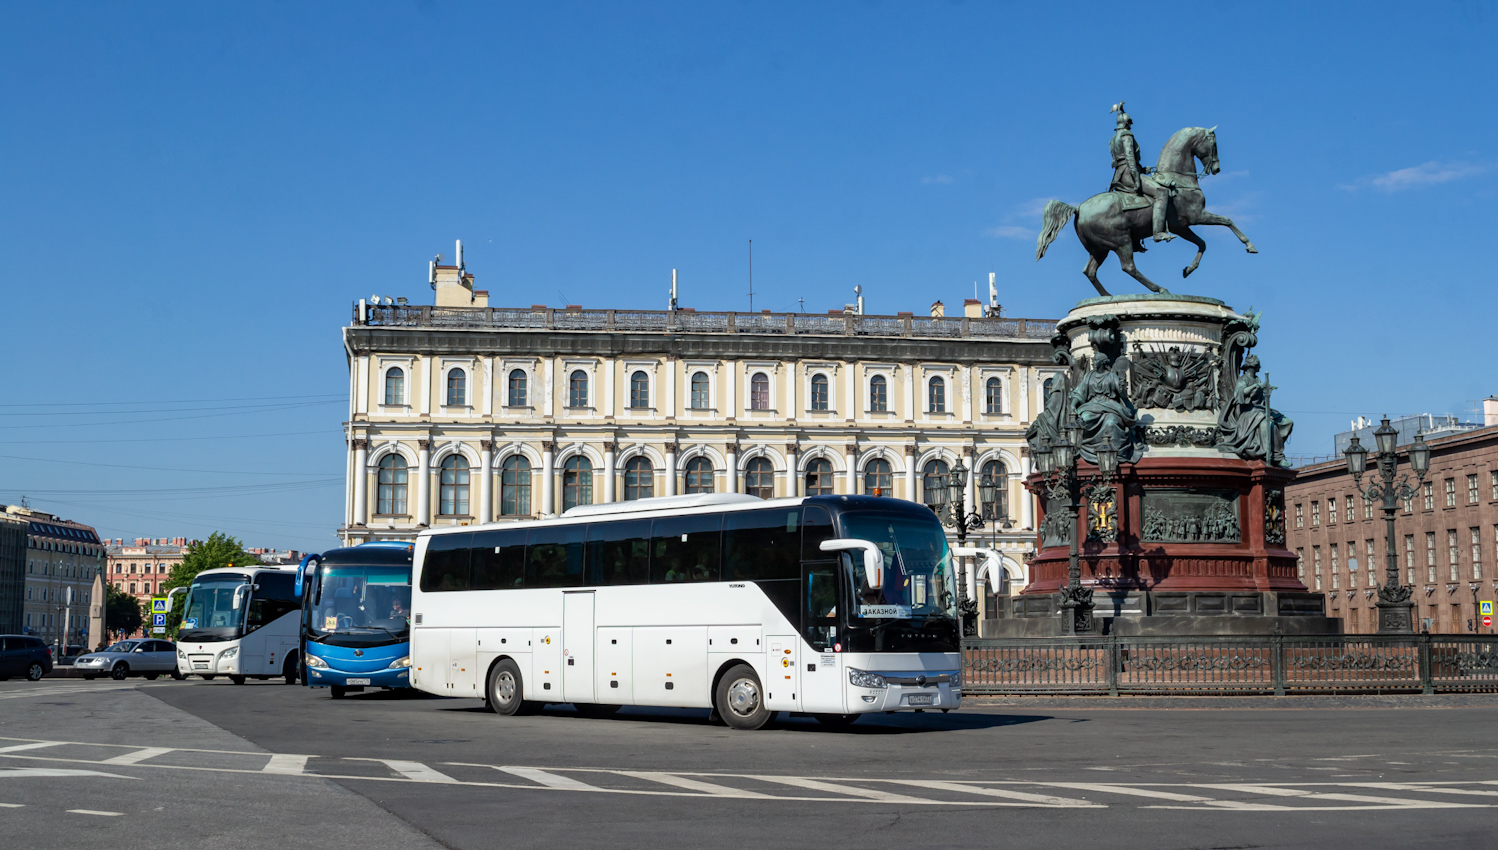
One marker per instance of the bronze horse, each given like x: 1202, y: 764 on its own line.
x: 1116, y: 222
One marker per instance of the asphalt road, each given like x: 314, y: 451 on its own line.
x: 195, y: 764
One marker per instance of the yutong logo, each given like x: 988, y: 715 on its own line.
x: 359, y: 653
x: 921, y: 681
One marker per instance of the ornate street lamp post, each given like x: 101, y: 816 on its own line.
x: 1062, y: 481
x: 951, y: 507
x: 1394, y: 606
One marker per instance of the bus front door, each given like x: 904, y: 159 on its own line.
x: 577, y: 647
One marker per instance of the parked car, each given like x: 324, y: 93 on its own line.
x: 149, y: 658
x: 22, y: 655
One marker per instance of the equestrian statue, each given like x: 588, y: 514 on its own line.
x: 1161, y: 202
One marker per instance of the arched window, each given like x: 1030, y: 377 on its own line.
x: 452, y: 487
x: 517, y: 396
x: 819, y: 392
x: 936, y: 396
x: 994, y: 472
x: 577, y: 391
x: 878, y: 478
x: 819, y: 478
x: 515, y: 487
x: 993, y: 396
x: 390, y: 491
x: 395, y: 385
x: 699, y: 478
x: 878, y: 394
x: 577, y: 478
x: 700, y: 393
x: 457, y: 387
x: 934, y: 483
x: 759, y: 478
x: 639, y: 479
x: 759, y: 391
x: 639, y: 390
x: 1045, y: 390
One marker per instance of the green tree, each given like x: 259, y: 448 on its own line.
x: 122, y: 614
x: 218, y: 551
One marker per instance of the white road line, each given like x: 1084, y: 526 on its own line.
x: 56, y: 691
x: 55, y: 772
x: 1391, y: 802
x: 287, y: 764
x: 1022, y: 796
x: 1433, y: 789
x: 693, y: 784
x: 95, y: 812
x: 12, y: 805
x: 1157, y: 794
x: 849, y: 790
x: 16, y: 748
x: 414, y: 770
x: 550, y: 780
x: 138, y: 756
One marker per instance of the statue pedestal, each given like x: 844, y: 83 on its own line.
x: 1190, y: 538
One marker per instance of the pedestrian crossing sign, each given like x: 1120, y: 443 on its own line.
x: 1487, y: 608
x: 159, y: 605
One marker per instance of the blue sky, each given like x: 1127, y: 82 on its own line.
x: 191, y: 195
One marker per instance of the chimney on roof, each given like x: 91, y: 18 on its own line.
x: 938, y: 310
x: 972, y: 308
x: 454, y: 284
x: 1490, y: 411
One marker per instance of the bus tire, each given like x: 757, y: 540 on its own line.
x: 339, y: 691
x: 506, y: 689
x: 290, y: 668
x: 238, y: 680
x: 120, y: 671
x: 208, y: 678
x: 837, y: 721
x: 596, y: 710
x: 178, y: 675
x: 740, y: 699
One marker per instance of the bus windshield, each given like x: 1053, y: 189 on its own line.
x: 210, y: 612
x: 361, y: 600
x: 917, y: 568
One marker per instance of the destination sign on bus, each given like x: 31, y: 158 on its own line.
x: 896, y: 612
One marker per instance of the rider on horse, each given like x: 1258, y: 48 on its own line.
x: 1128, y: 175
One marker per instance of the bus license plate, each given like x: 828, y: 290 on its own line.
x: 200, y: 665
x: 358, y: 681
x: 921, y: 699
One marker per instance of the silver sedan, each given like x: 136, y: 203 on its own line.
x: 149, y: 658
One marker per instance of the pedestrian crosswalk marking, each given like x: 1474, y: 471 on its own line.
x: 285, y: 763
x: 414, y: 771
x: 837, y: 788
x: 1020, y: 797
x: 550, y: 780
x: 138, y: 756
x: 689, y: 784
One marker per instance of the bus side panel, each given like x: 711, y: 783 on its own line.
x: 494, y: 644
x: 462, y: 681
x: 430, y: 657
x: 616, y: 681
x: 544, y: 684
x: 671, y: 666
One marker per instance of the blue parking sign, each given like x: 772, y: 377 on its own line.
x: 158, y: 619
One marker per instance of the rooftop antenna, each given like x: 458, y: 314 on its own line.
x: 802, y: 302
x: 673, y: 290
x: 432, y: 271
x: 751, y: 275
x: 993, y: 295
x: 858, y: 290
x: 459, y: 254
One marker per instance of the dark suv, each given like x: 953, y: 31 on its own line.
x: 21, y: 655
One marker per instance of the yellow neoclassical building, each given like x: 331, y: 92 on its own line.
x: 464, y: 413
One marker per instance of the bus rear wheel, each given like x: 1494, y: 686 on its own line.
x: 290, y: 668
x: 506, y: 689
x: 740, y: 699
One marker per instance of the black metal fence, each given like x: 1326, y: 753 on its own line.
x: 1274, y: 664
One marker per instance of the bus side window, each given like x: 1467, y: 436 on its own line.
x: 685, y: 548
x: 816, y: 526
x: 554, y: 556
x: 762, y: 545
x: 273, y: 600
x: 498, y: 559
x: 446, y: 563
x: 619, y: 552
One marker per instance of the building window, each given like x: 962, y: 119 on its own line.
x: 1348, y: 502
x: 1471, y: 489
x: 457, y: 387
x: 759, y: 391
x: 1451, y: 560
x: 577, y: 478
x: 517, y: 393
x: 1409, y: 559
x: 1429, y: 491
x: 452, y: 486
x: 1045, y: 390
x: 1352, y: 564
x: 934, y: 483
x: 818, y: 392
x: 1315, y: 514
x: 1335, y: 575
x: 395, y: 386
x: 1316, y: 564
x: 577, y: 392
x: 994, y: 472
x: 1476, y: 540
x: 1409, y: 505
x: 639, y: 479
x: 1367, y: 508
x: 1451, y: 492
x: 1372, y: 570
x: 1493, y: 482
x: 699, y: 478
x: 639, y: 390
x: 132, y: 587
x: 879, y: 395
x: 1300, y: 515
x: 878, y: 478
x: 1300, y: 563
x: 390, y: 491
x: 1430, y: 557
x: 993, y: 396
x: 700, y: 392
x: 759, y: 478
x: 936, y: 396
x: 1331, y: 510
x: 819, y: 477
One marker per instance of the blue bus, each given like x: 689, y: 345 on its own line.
x: 356, y: 630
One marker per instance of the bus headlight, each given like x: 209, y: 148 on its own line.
x: 314, y: 661
x: 229, y: 653
x: 400, y: 662
x: 860, y: 679
x: 181, y: 653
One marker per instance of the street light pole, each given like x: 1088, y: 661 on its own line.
x: 1062, y: 480
x: 1395, y: 614
x: 955, y: 515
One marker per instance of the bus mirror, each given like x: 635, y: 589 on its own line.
x: 171, y: 597
x: 238, y: 591
x: 873, y: 559
x: 309, y: 562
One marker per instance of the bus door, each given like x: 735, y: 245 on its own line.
x: 821, y: 679
x: 577, y: 646
x: 782, y: 678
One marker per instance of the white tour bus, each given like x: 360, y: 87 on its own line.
x: 241, y: 622
x: 830, y: 605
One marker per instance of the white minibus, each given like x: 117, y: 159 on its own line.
x: 240, y: 622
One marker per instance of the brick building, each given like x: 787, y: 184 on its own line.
x: 1446, y: 537
x: 140, y: 567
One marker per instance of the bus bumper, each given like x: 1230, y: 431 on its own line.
x: 326, y: 677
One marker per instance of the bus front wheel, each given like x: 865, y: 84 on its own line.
x: 238, y: 680
x: 506, y: 690
x: 740, y: 699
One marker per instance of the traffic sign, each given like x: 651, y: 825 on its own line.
x: 158, y: 631
x: 1485, y: 607
x: 1487, y: 621
x: 159, y: 605
x: 158, y: 620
